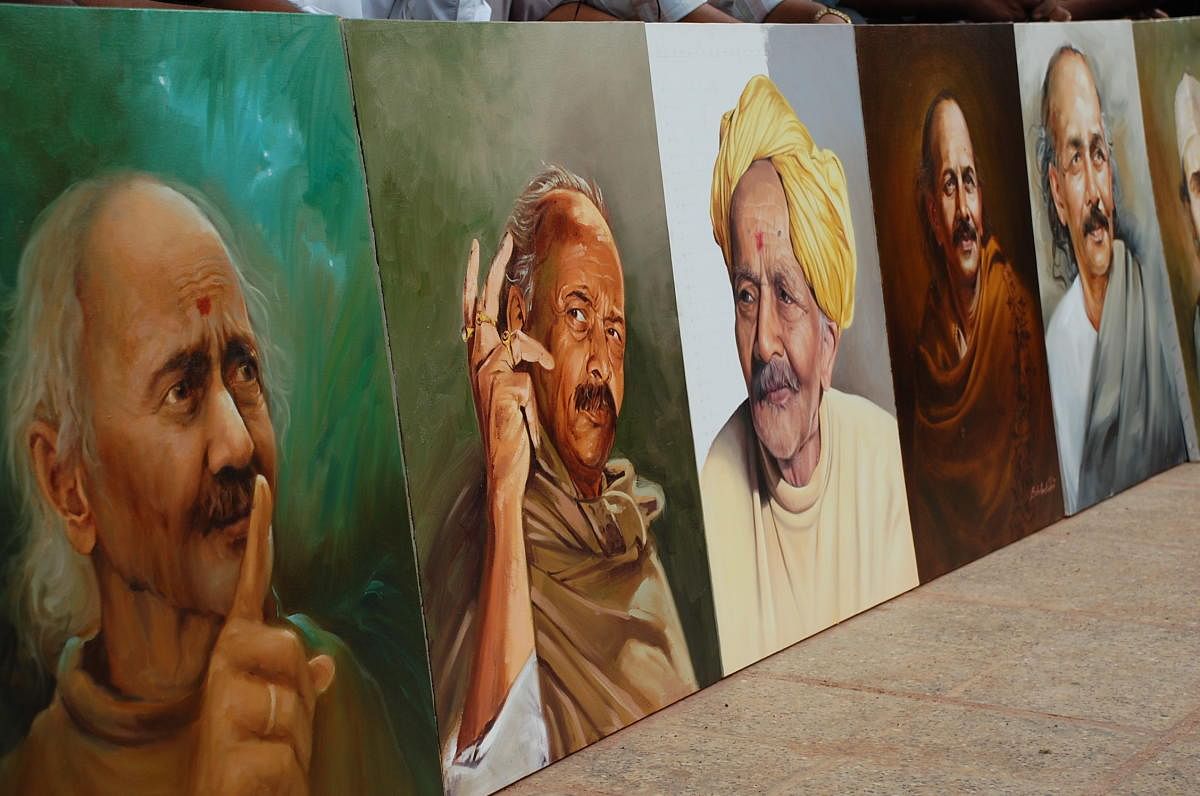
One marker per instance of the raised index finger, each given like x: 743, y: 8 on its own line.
x: 254, y: 579
x: 471, y: 286
x: 495, y: 277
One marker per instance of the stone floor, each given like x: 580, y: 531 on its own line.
x: 1068, y: 662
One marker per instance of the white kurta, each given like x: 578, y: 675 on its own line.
x: 1071, y: 354
x: 788, y: 561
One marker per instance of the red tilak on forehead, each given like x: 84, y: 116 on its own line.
x: 758, y: 244
x: 204, y: 304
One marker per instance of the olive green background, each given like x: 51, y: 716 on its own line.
x: 455, y: 120
x: 1165, y: 50
x: 255, y: 111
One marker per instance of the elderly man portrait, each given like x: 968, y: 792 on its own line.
x: 564, y: 628
x: 805, y: 511
x: 1116, y: 413
x: 983, y: 456
x: 139, y: 432
x: 1187, y: 135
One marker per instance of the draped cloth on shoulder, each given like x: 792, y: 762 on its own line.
x: 984, y: 461
x: 763, y: 126
x: 609, y: 643
x: 1134, y: 426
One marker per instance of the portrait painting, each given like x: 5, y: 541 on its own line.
x: 960, y: 287
x: 1112, y: 348
x: 210, y: 583
x: 1168, y: 60
x: 526, y: 273
x: 781, y: 314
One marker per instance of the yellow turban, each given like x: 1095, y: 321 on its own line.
x: 763, y: 126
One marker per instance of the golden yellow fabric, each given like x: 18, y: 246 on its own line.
x: 763, y: 126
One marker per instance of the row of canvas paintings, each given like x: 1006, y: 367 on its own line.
x: 430, y: 401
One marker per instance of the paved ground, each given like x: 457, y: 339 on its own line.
x: 1068, y: 662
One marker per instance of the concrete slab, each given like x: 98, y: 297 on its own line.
x: 1068, y: 662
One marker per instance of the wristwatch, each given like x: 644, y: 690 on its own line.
x: 825, y: 11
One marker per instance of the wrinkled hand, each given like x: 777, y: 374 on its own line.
x: 503, y: 390
x: 260, y: 693
x: 1049, y: 11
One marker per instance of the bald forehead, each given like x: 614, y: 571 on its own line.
x: 570, y: 213
x: 148, y: 235
x: 950, y: 129
x: 1071, y: 81
x: 760, y: 185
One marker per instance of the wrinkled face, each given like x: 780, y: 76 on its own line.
x: 955, y: 204
x: 180, y: 418
x: 578, y: 314
x: 1081, y: 179
x: 1190, y: 160
x: 785, y: 345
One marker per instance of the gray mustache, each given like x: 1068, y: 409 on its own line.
x: 224, y: 499
x: 766, y: 377
x: 592, y: 397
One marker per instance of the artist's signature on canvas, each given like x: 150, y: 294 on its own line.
x: 1044, y: 488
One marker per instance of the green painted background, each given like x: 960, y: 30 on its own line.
x: 255, y: 111
x: 455, y: 120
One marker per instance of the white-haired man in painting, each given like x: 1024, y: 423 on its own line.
x: 1115, y: 409
x: 140, y: 436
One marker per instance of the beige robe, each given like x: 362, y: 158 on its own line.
x: 609, y: 643
x: 790, y: 561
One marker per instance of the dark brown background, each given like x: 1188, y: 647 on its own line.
x: 901, y: 70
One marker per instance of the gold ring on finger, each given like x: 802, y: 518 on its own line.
x: 482, y: 317
x: 467, y: 331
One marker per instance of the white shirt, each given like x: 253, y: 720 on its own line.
x: 1071, y: 351
x: 515, y: 746
x: 627, y: 10
x: 446, y: 10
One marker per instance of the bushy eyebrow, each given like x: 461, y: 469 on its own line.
x: 191, y: 363
x: 582, y: 294
x: 238, y: 349
x: 740, y: 273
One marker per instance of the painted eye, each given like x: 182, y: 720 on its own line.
x: 614, y: 333
x: 785, y: 297
x: 246, y: 372
x: 745, y: 296
x: 577, y: 315
x: 179, y: 393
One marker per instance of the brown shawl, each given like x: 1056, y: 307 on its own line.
x: 983, y: 470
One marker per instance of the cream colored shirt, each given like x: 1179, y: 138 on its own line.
x: 789, y: 561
